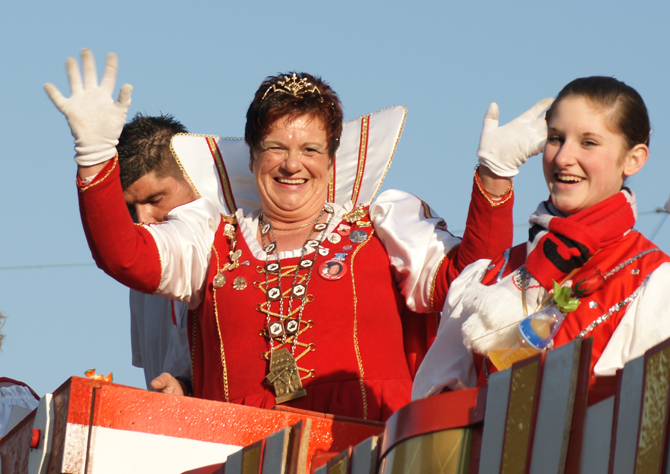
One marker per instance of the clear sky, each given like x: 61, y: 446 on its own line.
x: 202, y: 60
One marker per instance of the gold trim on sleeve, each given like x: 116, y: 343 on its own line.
x: 98, y: 181
x: 431, y: 298
x: 506, y: 197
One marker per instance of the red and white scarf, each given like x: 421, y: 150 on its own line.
x: 557, y: 245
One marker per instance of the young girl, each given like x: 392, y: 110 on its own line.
x: 598, y: 135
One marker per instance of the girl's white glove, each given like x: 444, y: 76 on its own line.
x: 504, y: 149
x: 95, y: 119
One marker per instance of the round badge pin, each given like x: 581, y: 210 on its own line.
x: 333, y: 270
x: 344, y: 229
x: 358, y: 236
x: 334, y: 238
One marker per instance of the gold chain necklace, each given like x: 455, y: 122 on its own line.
x: 286, y: 229
x: 284, y: 375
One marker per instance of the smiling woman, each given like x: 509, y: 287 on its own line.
x: 270, y: 326
x: 581, y: 238
x: 292, y: 170
x: 587, y: 157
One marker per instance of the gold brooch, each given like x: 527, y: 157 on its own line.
x: 355, y: 214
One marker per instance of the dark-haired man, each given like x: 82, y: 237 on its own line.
x: 153, y: 184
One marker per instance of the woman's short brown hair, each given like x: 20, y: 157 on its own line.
x: 289, y: 96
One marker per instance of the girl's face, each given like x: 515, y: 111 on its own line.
x: 586, y: 161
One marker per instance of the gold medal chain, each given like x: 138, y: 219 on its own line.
x: 295, y: 277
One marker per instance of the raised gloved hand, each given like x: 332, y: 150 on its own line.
x: 95, y: 119
x: 504, y: 149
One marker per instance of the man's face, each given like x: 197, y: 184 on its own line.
x: 151, y: 197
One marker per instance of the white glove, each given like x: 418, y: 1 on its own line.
x: 95, y: 119
x: 504, y: 149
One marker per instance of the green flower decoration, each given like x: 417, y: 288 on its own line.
x: 563, y: 299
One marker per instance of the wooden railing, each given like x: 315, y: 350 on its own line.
x: 544, y: 415
x: 533, y: 418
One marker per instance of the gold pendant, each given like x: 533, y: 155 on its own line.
x: 284, y: 376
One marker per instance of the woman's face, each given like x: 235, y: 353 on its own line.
x: 292, y: 169
x: 585, y: 161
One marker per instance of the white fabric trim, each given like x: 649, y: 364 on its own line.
x: 413, y: 243
x: 184, y: 243
x: 249, y: 227
x: 634, y: 335
x: 385, y: 128
x: 449, y: 363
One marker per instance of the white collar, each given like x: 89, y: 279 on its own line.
x: 249, y: 229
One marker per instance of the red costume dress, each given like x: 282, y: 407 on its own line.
x: 353, y: 361
x: 622, y: 287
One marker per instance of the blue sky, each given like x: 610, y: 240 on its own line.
x: 202, y: 60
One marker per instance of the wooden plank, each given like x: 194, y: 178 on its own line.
x: 276, y: 452
x: 574, y: 455
x: 521, y: 413
x: 597, y: 437
x: 497, y: 399
x: 299, y: 447
x: 364, y: 456
x: 627, y: 417
x: 554, y: 414
x: 234, y: 463
x: 654, y: 416
x: 340, y: 463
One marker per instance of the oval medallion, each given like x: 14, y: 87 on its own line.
x: 219, y: 280
x: 333, y: 270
